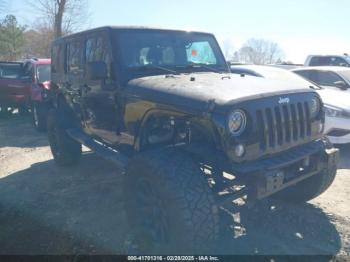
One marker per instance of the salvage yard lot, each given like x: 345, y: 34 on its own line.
x: 49, y: 210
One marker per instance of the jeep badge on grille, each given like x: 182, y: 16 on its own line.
x: 283, y: 100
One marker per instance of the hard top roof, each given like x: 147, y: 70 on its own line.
x: 122, y: 28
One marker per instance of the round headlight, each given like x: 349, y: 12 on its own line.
x: 237, y: 121
x: 315, y: 106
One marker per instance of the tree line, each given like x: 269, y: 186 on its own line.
x: 254, y: 51
x: 53, y: 18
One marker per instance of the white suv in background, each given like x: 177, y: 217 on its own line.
x: 332, y: 77
x: 327, y: 60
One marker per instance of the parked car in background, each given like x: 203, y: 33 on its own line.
x: 26, y: 85
x: 327, y: 60
x: 14, y: 88
x: 38, y: 73
x: 333, y: 77
x: 336, y: 103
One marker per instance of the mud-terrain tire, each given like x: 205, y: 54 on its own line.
x: 310, y: 188
x: 169, y: 204
x: 65, y: 150
x: 39, y: 116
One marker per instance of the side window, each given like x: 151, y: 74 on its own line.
x: 313, y: 76
x: 98, y: 49
x: 200, y: 52
x: 320, y: 61
x: 74, y: 57
x: 55, y: 58
x: 305, y: 74
x: 328, y: 78
x: 338, y: 61
x: 314, y: 61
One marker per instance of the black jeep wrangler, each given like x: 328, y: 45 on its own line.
x: 188, y: 136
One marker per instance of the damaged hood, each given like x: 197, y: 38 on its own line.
x: 204, y: 87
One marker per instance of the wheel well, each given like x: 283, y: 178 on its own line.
x: 61, y: 101
x: 163, y: 129
x: 69, y: 114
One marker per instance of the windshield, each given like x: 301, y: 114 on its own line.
x: 169, y: 49
x: 43, y: 73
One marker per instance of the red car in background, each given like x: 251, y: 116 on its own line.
x: 26, y: 85
x: 14, y: 89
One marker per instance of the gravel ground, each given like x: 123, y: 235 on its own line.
x: 49, y: 210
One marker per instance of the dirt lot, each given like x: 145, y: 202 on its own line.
x: 50, y: 210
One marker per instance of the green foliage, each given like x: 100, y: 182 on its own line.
x: 11, y: 39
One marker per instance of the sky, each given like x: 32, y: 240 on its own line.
x: 300, y: 27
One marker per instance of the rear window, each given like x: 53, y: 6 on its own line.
x: 328, y: 60
x: 319, y: 61
x: 10, y: 71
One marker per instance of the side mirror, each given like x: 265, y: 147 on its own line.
x: 96, y: 70
x: 341, y: 84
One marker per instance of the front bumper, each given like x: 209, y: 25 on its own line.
x: 276, y: 180
x: 268, y: 176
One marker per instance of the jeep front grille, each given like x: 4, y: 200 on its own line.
x: 285, y: 124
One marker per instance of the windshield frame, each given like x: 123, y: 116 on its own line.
x: 133, y: 72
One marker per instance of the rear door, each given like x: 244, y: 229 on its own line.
x: 99, y: 105
x: 74, y: 73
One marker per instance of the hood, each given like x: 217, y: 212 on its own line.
x: 204, y: 87
x: 335, y: 98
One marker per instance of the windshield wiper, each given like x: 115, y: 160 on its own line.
x: 200, y: 65
x: 151, y: 66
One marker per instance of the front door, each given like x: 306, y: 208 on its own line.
x: 99, y: 105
